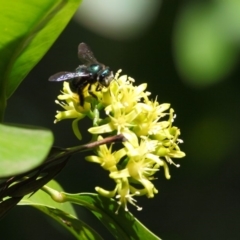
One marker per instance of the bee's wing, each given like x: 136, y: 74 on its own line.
x: 62, y: 76
x: 85, y: 54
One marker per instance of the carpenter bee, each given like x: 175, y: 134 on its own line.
x: 85, y: 75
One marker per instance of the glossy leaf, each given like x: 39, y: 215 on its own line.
x: 122, y: 225
x: 28, y: 28
x: 63, y: 213
x: 22, y: 149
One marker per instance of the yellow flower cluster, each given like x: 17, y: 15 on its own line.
x: 152, y: 140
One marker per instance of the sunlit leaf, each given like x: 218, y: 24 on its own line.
x: 22, y: 149
x: 28, y: 28
x: 122, y: 225
x: 63, y: 213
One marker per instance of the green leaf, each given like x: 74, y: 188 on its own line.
x: 122, y: 225
x: 41, y: 198
x: 22, y: 149
x: 28, y: 28
x: 63, y: 213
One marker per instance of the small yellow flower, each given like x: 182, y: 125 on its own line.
x: 152, y: 140
x: 106, y: 158
x: 147, y: 122
x: 72, y: 108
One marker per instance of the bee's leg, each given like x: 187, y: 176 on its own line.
x: 98, y: 88
x: 81, y: 97
x: 91, y: 92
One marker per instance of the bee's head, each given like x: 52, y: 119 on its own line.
x: 105, y: 77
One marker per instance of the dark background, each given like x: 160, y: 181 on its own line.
x: 202, y: 198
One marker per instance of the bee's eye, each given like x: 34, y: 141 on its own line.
x: 105, y: 77
x: 94, y: 68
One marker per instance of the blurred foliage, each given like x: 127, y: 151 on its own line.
x: 206, y: 40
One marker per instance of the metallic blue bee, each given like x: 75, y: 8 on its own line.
x: 85, y: 75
